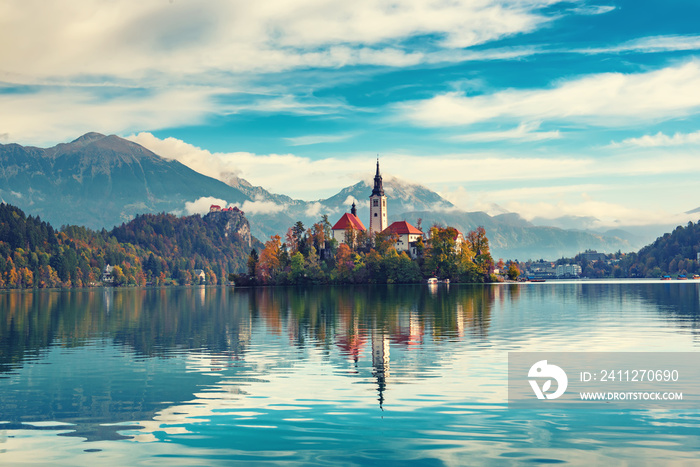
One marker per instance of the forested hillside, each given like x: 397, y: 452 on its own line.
x: 673, y: 253
x: 157, y: 249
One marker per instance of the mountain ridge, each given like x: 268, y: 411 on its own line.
x: 101, y: 181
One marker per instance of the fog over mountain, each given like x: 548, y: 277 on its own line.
x: 101, y: 181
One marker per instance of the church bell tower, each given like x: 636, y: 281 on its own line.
x: 377, y: 205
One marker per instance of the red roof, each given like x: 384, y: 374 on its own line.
x: 349, y: 220
x: 403, y: 228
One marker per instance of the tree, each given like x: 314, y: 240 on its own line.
x: 513, y: 271
x: 252, y: 262
x: 269, y: 262
x: 344, y: 262
x: 296, y: 273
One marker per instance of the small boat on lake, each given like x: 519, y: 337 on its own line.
x: 666, y: 278
x: 682, y: 277
x: 433, y: 280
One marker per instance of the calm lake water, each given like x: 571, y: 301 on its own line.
x: 337, y: 375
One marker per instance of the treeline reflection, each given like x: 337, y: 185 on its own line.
x: 155, y: 322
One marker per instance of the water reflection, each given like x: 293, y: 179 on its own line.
x: 167, y: 361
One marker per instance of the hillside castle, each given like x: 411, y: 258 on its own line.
x: 345, y: 230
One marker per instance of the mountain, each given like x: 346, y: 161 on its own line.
x: 100, y: 181
x: 512, y: 237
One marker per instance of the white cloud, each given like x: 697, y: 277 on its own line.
x: 314, y: 209
x: 202, y: 205
x: 603, y: 99
x: 260, y: 206
x: 593, y: 9
x: 51, y: 115
x: 524, y: 132
x: 149, y: 40
x: 608, y: 214
x: 317, y: 139
x: 291, y: 174
x: 349, y: 200
x: 660, y: 139
x: 650, y: 45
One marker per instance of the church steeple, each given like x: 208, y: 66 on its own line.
x: 377, y: 205
x: 353, y: 210
x: 378, y: 188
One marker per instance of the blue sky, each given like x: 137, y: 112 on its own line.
x: 540, y: 107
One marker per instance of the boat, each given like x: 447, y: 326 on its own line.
x: 446, y: 281
x: 433, y: 280
x: 534, y: 279
x: 696, y: 276
x: 666, y: 278
x: 682, y: 277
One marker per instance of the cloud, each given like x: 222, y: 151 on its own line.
x: 349, y: 200
x: 612, y: 99
x: 152, y: 40
x: 260, y: 206
x: 659, y: 140
x: 279, y: 173
x: 652, y: 44
x: 608, y: 214
x: 524, y: 132
x: 314, y: 209
x: 202, y: 205
x: 317, y: 139
x: 591, y: 10
x: 53, y: 114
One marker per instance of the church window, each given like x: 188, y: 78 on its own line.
x: 376, y: 202
x: 384, y: 202
x: 375, y: 214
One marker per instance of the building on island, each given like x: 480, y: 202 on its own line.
x: 377, y: 206
x: 407, y: 236
x: 349, y: 225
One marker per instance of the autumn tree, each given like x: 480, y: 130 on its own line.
x: 269, y: 262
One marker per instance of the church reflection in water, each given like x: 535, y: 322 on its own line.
x: 131, y: 349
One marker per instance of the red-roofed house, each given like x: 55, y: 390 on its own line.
x: 407, y: 235
x: 214, y: 208
x: 348, y: 221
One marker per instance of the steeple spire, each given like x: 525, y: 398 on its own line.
x: 353, y: 210
x: 378, y: 188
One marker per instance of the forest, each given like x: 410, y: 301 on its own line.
x: 152, y: 249
x: 674, y: 253
x: 311, y: 256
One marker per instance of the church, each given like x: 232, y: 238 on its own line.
x: 406, y: 234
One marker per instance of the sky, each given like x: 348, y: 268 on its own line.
x: 541, y: 107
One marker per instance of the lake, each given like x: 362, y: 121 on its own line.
x: 389, y: 375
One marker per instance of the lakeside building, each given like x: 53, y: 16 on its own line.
x: 349, y: 225
x: 592, y: 255
x: 542, y: 270
x: 568, y: 270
